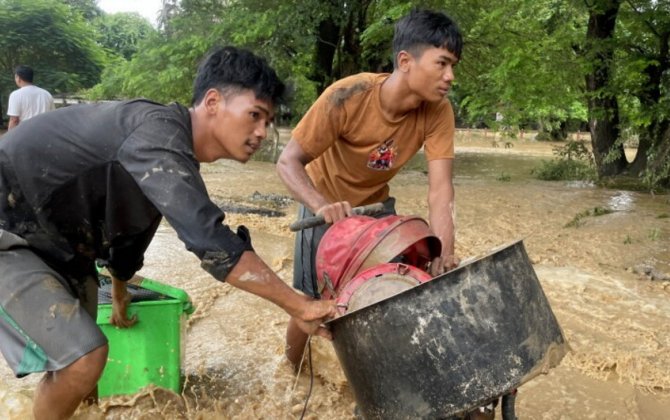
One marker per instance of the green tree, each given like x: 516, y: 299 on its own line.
x: 546, y: 63
x: 191, y: 28
x: 88, y: 9
x: 644, y: 57
x: 627, y: 48
x: 604, y: 122
x: 164, y: 68
x: 53, y: 39
x: 522, y: 68
x: 122, y: 32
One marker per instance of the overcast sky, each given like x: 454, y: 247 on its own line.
x: 147, y: 8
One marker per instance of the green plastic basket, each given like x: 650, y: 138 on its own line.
x: 151, y: 351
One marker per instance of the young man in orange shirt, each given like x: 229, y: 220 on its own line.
x: 362, y: 130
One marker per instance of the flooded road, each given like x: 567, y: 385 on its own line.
x: 602, y: 271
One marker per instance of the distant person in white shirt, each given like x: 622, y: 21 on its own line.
x: 27, y: 101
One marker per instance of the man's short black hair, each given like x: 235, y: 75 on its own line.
x: 422, y: 28
x: 25, y: 73
x: 232, y: 69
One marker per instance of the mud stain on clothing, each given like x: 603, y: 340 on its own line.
x: 340, y: 96
x: 63, y: 310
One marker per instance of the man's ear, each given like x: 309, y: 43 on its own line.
x: 404, y: 59
x: 211, y: 100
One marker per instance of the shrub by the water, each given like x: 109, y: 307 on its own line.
x: 565, y: 170
x: 574, y: 162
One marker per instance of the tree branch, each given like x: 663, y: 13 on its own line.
x: 647, y: 23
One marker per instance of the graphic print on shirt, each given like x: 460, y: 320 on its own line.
x: 381, y: 159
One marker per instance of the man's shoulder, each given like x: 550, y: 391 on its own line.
x: 354, y: 85
x: 361, y: 80
x: 32, y: 90
x: 144, y: 111
x: 438, y: 107
x: 44, y: 92
x: 153, y: 108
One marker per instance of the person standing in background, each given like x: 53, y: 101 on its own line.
x: 28, y: 100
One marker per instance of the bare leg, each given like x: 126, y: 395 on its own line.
x: 59, y: 393
x: 92, y: 397
x: 295, y: 342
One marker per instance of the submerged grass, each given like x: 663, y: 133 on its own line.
x: 578, y: 220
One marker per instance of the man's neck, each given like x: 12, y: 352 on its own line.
x: 396, y: 97
x: 202, y: 137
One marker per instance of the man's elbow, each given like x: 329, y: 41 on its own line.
x: 286, y: 165
x: 282, y: 167
x: 13, y: 122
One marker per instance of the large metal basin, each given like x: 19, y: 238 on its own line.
x: 453, y: 343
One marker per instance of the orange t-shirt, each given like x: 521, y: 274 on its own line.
x: 357, y: 150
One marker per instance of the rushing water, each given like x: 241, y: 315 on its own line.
x: 614, y: 315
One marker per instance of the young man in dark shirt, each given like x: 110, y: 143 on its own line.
x: 92, y: 182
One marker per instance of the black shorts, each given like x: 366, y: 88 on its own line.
x: 306, y: 244
x: 45, y: 323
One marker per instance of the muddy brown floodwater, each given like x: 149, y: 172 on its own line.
x: 606, y: 278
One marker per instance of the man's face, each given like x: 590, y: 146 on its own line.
x: 240, y: 125
x: 431, y: 73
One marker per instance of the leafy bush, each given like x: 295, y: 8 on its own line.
x: 565, y: 170
x: 574, y: 162
x: 543, y: 136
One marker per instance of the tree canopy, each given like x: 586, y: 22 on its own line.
x: 602, y: 65
x: 54, y: 39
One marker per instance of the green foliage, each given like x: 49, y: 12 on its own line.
x: 53, y: 39
x: 122, y: 32
x: 524, y: 59
x: 522, y: 68
x: 88, y: 9
x: 376, y: 38
x: 574, y: 150
x: 573, y: 162
x: 112, y: 80
x: 543, y: 136
x: 565, y: 170
x: 165, y: 67
x: 657, y: 172
x: 578, y: 220
x: 282, y: 33
x: 173, y: 66
x: 642, y: 30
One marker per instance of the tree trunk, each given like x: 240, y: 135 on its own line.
x: 653, y: 137
x: 659, y: 164
x: 328, y: 35
x: 603, y: 106
x: 350, y: 55
x: 559, y: 133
